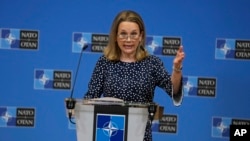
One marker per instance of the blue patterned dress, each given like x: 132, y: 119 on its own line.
x: 133, y: 82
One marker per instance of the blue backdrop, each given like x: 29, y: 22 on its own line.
x: 37, y: 37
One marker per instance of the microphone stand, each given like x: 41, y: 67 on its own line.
x: 151, y: 112
x: 152, y: 106
x: 70, y: 102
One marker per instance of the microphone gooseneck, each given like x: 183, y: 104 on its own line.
x: 70, y: 102
x: 152, y: 106
x: 77, y: 69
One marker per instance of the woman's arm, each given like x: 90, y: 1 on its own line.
x: 177, y: 70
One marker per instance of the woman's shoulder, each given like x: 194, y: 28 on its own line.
x: 101, y: 60
x: 154, y: 59
x: 104, y: 60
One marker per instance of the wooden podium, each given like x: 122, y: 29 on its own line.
x: 108, y: 119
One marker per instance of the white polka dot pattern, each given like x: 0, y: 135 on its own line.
x: 133, y: 82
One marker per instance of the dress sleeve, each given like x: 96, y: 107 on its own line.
x: 95, y: 86
x: 163, y: 80
x: 177, y: 98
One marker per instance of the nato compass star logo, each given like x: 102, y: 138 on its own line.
x: 225, y: 49
x: 220, y: 127
x: 153, y: 44
x: 43, y: 79
x: 82, y: 42
x: 6, y: 116
x: 110, y: 129
x: 79, y: 41
x: 9, y: 38
x: 190, y: 86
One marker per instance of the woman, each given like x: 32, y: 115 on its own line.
x: 126, y: 70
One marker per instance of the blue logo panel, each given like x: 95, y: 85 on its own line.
x: 154, y: 45
x: 110, y: 127
x: 190, y: 86
x: 220, y: 127
x: 43, y: 79
x: 79, y: 40
x: 7, y: 116
x: 225, y: 49
x: 10, y: 38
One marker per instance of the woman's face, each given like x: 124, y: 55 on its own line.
x: 128, y: 38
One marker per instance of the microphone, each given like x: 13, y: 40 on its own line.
x: 151, y: 111
x: 70, y: 102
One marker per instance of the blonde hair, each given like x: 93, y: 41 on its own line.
x: 112, y: 51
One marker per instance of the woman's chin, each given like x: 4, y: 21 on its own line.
x: 128, y: 51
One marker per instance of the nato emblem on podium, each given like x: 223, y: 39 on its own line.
x: 110, y: 123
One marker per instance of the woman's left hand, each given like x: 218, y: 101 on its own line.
x: 179, y: 57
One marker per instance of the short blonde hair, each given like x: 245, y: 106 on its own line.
x: 112, y: 51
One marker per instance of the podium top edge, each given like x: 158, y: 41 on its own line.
x: 112, y: 101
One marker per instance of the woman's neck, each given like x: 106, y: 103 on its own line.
x: 127, y: 58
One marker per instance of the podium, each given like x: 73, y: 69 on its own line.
x: 110, y: 120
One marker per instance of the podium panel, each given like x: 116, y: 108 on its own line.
x: 104, y: 122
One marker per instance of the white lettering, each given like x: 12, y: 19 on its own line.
x: 169, y: 119
x: 206, y: 82
x: 243, y: 44
x: 29, y: 122
x: 97, y: 48
x: 239, y: 132
x: 208, y: 92
x: 171, y: 42
x: 29, y: 35
x: 167, y: 51
x: 65, y: 85
x: 167, y: 128
x: 100, y: 38
x: 25, y: 113
x: 243, y: 55
x: 28, y: 44
x: 62, y: 75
